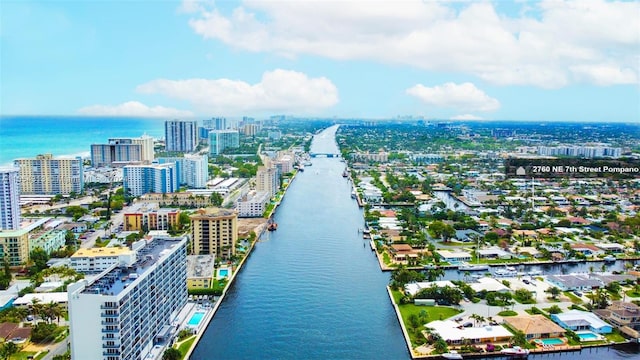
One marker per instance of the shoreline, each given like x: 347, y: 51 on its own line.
x: 211, y: 314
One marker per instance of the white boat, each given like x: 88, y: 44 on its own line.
x: 505, y: 272
x: 353, y: 194
x: 515, y: 351
x: 300, y: 167
x: 452, y: 355
x: 307, y: 163
x: 609, y: 258
x: 469, y: 267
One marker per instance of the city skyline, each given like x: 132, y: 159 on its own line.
x: 530, y: 60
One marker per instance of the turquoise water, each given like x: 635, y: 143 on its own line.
x: 195, y: 319
x: 223, y: 272
x: 553, y: 341
x: 587, y: 336
x: 28, y: 136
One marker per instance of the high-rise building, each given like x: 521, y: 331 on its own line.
x: 115, y: 152
x: 9, y: 199
x: 219, y: 140
x: 195, y: 171
x: 45, y: 175
x: 180, y: 135
x: 214, y: 231
x: 16, y: 245
x: 268, y: 180
x: 155, y: 178
x: 123, y: 150
x: 192, y: 170
x: 216, y: 123
x: 124, y: 311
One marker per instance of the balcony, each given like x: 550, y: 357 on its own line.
x: 105, y: 315
x: 114, y: 331
x: 115, y: 346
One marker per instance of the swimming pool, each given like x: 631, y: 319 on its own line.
x: 551, y: 341
x: 587, y: 336
x: 223, y: 272
x: 196, y: 318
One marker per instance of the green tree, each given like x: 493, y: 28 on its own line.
x: 8, y: 349
x: 216, y: 199
x: 43, y: 332
x: 39, y: 259
x: 519, y: 339
x: 171, y: 354
x: 555, y: 309
x: 554, y: 292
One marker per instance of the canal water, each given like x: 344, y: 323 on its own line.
x: 313, y: 288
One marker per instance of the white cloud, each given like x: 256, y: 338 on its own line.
x: 133, y: 108
x: 466, y: 117
x: 465, y: 96
x: 536, y: 47
x: 278, y: 90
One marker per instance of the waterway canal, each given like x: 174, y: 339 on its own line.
x: 313, y: 288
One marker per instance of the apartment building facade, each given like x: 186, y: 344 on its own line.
x: 214, y: 231
x: 46, y: 175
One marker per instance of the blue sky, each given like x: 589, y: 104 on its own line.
x: 523, y: 60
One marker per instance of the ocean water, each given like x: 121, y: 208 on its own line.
x: 28, y: 136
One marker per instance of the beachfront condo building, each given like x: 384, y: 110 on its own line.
x: 122, y: 151
x: 219, y: 140
x: 192, y: 170
x: 214, y: 231
x: 9, y: 199
x: 154, y: 178
x: 268, y: 179
x: 126, y: 310
x: 45, y: 175
x: 180, y: 135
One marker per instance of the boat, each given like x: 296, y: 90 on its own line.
x: 272, y: 226
x: 515, y: 351
x: 345, y: 174
x: 469, y: 267
x: 609, y: 258
x: 301, y: 167
x: 353, y: 194
x: 452, y: 355
x: 507, y: 271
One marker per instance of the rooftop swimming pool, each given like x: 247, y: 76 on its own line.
x: 196, y: 318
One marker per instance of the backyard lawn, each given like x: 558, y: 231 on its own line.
x: 433, y: 312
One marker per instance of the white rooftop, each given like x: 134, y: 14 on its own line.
x: 488, y: 284
x: 449, y: 330
x: 43, y: 298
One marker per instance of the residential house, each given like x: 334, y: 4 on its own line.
x: 535, y: 326
x: 621, y: 314
x: 577, y: 320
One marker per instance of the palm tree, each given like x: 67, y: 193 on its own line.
x: 53, y: 311
x: 8, y: 349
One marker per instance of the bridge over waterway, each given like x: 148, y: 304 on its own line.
x: 329, y: 155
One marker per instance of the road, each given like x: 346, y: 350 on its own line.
x: 58, y: 349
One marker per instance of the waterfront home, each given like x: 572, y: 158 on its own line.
x: 577, y: 320
x: 535, y: 326
x: 587, y: 249
x: 494, y: 253
x: 454, y: 256
x: 401, y: 252
x: 488, y: 284
x: 414, y: 288
x: 574, y: 282
x: 621, y: 314
x: 454, y: 333
x: 611, y: 247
